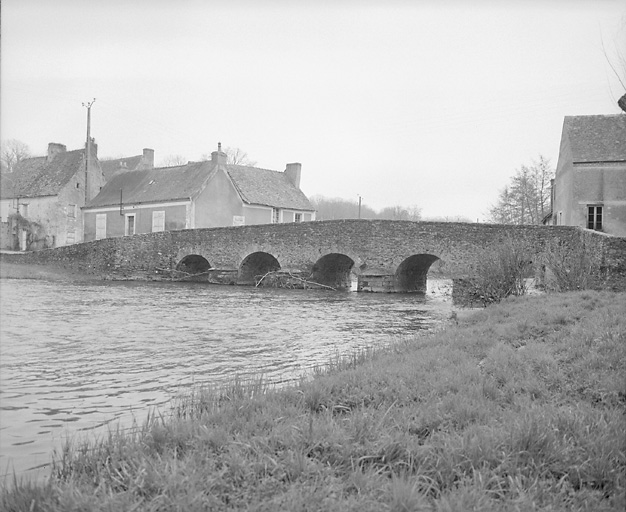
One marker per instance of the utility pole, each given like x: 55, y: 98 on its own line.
x: 359, y: 205
x: 88, y: 148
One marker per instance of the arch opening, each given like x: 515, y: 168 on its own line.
x: 256, y: 265
x: 334, y: 270
x: 412, y: 273
x: 194, y: 264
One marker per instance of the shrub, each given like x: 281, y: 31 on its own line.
x: 503, y: 272
x: 571, y: 266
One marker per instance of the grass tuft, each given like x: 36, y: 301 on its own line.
x: 518, y: 407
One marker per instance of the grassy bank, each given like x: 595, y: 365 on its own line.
x: 518, y: 407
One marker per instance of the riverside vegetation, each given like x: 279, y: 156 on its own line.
x: 518, y: 406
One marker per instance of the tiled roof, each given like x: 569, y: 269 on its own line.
x: 254, y: 185
x: 265, y: 187
x: 151, y: 185
x: 36, y: 176
x: 111, y: 167
x: 599, y: 138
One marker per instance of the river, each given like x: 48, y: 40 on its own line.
x: 80, y: 357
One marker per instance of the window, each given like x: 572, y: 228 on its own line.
x: 24, y: 211
x: 297, y: 217
x: 71, y: 238
x: 71, y: 211
x: 101, y: 226
x: 275, y: 215
x: 158, y: 221
x: 4, y: 210
x: 594, y: 217
x: 129, y: 229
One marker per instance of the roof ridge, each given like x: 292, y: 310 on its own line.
x: 252, y: 167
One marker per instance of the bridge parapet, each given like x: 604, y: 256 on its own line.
x: 379, y: 255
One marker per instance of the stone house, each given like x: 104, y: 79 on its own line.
x: 113, y: 166
x: 589, y: 188
x: 196, y: 195
x: 41, y: 200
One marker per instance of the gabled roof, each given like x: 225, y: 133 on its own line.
x: 110, y: 167
x: 268, y: 188
x: 600, y: 138
x: 182, y: 182
x: 34, y: 177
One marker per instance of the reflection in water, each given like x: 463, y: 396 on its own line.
x: 78, y: 357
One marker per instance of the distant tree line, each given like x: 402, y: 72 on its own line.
x: 333, y: 208
x: 526, y: 199
x: 336, y: 208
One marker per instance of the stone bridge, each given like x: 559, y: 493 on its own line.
x: 363, y: 255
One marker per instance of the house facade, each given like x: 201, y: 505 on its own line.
x: 41, y: 200
x: 196, y: 195
x: 589, y: 188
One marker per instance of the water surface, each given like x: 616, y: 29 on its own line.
x: 77, y: 357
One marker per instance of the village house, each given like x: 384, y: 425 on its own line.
x: 41, y: 199
x: 589, y: 189
x: 113, y: 166
x: 203, y: 194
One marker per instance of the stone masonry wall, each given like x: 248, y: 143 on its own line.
x: 376, y: 247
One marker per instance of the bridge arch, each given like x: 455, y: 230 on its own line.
x: 256, y: 264
x: 335, y: 270
x: 411, y: 274
x: 193, y: 264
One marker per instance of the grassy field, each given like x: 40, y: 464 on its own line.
x: 520, y: 407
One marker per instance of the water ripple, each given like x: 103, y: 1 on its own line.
x: 79, y: 356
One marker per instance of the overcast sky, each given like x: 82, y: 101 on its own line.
x: 427, y: 103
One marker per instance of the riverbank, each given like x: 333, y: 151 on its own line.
x: 519, y: 406
x: 11, y: 270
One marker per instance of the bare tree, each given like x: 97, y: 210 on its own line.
x: 527, y: 199
x: 617, y: 63
x: 234, y: 156
x: 237, y: 156
x: 173, y: 160
x: 504, y: 211
x: 13, y: 152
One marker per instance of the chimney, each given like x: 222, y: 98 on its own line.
x: 218, y: 157
x: 293, y: 173
x: 54, y: 148
x: 147, y: 161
